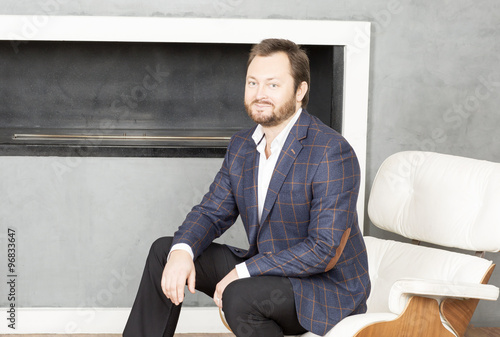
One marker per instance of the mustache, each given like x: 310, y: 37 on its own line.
x: 262, y: 101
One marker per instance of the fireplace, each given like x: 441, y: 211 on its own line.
x: 110, y: 85
x: 161, y: 87
x: 132, y: 86
x: 67, y: 197
x: 138, y: 99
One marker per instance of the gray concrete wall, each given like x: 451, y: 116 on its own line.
x: 435, y: 85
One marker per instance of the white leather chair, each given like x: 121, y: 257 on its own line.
x: 443, y: 200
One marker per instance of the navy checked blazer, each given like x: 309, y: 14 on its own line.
x: 308, y: 231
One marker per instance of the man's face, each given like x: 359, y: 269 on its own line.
x: 270, y: 98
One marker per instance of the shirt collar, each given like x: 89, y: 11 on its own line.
x: 258, y: 134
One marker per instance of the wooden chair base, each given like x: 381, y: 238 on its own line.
x: 458, y: 312
x: 420, y: 318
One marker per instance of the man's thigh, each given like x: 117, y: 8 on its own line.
x: 212, y: 265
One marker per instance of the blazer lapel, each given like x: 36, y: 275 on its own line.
x: 250, y: 189
x: 287, y: 157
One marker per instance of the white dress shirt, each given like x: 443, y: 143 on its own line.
x: 266, y: 169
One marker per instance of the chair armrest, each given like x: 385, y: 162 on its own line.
x: 403, y: 289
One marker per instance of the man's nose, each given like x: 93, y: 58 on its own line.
x: 261, y: 92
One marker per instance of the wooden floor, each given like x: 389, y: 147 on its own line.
x: 471, y: 332
x: 115, y: 335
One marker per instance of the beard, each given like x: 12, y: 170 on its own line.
x: 276, y: 117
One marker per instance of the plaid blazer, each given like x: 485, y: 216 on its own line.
x: 308, y: 231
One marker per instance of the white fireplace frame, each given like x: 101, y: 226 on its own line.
x: 353, y: 35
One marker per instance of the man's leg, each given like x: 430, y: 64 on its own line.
x: 153, y: 315
x: 211, y: 267
x: 261, y: 306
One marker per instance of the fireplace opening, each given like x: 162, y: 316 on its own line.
x: 122, y: 99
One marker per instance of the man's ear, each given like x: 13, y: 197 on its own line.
x: 301, y: 91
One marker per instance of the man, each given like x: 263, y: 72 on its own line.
x: 294, y: 182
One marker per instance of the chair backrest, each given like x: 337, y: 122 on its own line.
x: 440, y: 199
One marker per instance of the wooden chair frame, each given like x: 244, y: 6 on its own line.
x: 421, y: 317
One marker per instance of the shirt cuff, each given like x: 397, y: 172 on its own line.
x: 181, y: 246
x: 242, y: 270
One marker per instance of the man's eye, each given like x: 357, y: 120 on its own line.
x: 273, y: 85
x: 252, y: 84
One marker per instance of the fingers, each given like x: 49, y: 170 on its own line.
x: 218, y: 297
x: 221, y: 286
x: 191, y: 282
x: 164, y: 285
x: 177, y: 271
x: 174, y: 289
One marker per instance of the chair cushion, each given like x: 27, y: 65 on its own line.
x: 446, y: 200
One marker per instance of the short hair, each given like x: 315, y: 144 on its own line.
x: 299, y: 62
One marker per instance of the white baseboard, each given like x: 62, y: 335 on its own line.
x: 101, y: 320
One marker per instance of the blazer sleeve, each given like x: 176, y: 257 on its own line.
x: 335, y: 190
x: 213, y: 216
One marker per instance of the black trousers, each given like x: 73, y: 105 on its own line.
x: 256, y: 306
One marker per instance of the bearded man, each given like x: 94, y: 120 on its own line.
x: 294, y: 182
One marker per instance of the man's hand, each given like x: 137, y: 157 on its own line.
x: 179, y: 268
x: 219, y: 289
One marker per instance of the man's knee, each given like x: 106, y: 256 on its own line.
x: 237, y: 302
x: 161, y: 246
x: 237, y: 310
x: 239, y: 296
x: 233, y: 300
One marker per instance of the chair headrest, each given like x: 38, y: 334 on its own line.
x: 441, y: 199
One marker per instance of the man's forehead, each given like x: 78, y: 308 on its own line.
x: 274, y: 65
